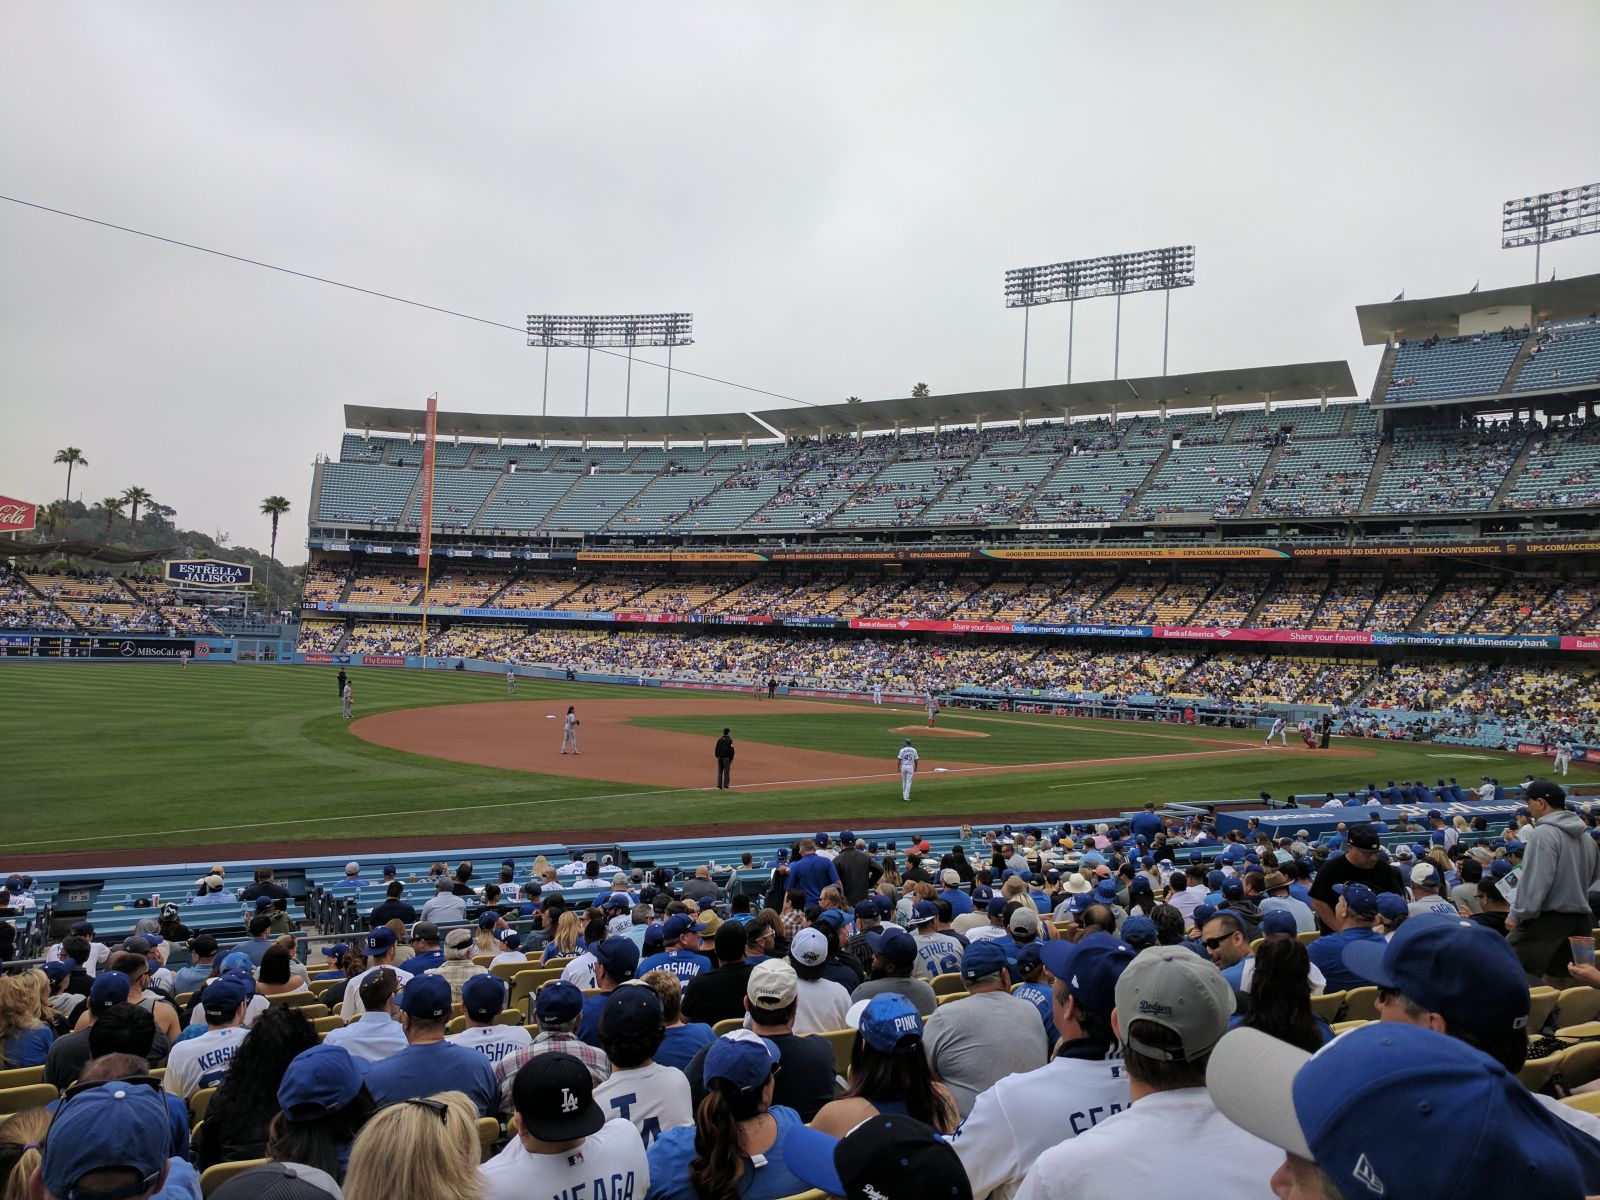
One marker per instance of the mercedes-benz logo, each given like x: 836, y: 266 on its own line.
x: 129, y: 650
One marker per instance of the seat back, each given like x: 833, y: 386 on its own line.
x: 214, y: 1177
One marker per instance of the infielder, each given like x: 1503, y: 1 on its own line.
x: 1563, y: 754
x: 511, y: 680
x: 908, y: 768
x: 877, y: 693
x: 569, y: 732
x: 1279, y: 730
x: 348, y: 699
x: 933, y: 710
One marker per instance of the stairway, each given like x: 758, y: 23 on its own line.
x: 1267, y: 470
x: 1380, y: 464
x: 1534, y: 440
x: 477, y: 514
x: 1524, y: 353
x: 1144, y: 486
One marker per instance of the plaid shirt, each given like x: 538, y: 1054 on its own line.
x: 550, y: 1043
x: 793, y: 921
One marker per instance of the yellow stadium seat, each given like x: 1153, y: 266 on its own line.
x: 727, y: 1026
x: 1542, y: 1002
x: 488, y: 1135
x: 1576, y: 1005
x: 21, y: 1076
x: 1589, y: 1102
x: 1537, y: 1072
x: 1361, y: 1004
x: 1580, y: 1065
x: 813, y: 1194
x: 843, y: 1042
x: 455, y: 1025
x: 509, y: 1016
x: 1347, y: 1026
x: 1307, y: 938
x: 303, y: 999
x: 326, y: 1024
x: 214, y: 1177
x: 199, y: 1102
x: 32, y: 1095
x: 949, y: 982
x: 952, y: 997
x: 1328, y: 1006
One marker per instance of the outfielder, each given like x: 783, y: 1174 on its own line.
x: 877, y: 693
x: 908, y: 767
x: 511, y: 680
x: 933, y: 709
x: 569, y: 732
x: 347, y: 697
x: 1563, y: 754
x: 1279, y: 730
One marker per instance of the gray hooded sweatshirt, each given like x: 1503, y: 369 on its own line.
x: 1560, y: 862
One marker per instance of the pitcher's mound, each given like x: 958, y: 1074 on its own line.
x: 937, y: 732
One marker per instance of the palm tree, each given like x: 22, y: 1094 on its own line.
x: 919, y: 391
x: 135, y: 496
x: 852, y: 399
x: 113, y: 506
x: 274, y: 507
x: 72, y: 456
x: 54, y: 513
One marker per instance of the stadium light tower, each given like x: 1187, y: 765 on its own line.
x: 1549, y: 217
x: 613, y: 332
x: 1112, y: 275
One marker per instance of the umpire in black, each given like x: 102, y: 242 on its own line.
x: 724, y: 760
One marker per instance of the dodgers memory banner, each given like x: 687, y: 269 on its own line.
x: 17, y: 516
x: 208, y: 573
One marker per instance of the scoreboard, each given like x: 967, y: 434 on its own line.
x: 63, y: 645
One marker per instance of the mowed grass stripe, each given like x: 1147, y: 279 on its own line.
x: 130, y: 753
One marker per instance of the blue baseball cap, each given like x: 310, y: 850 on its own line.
x: 1081, y: 902
x: 511, y: 939
x: 1358, y: 898
x: 1089, y: 968
x: 426, y: 997
x: 336, y: 951
x: 1275, y: 920
x: 1141, y: 885
x: 263, y: 903
x: 996, y: 905
x: 679, y: 924
x: 742, y: 1058
x: 482, y: 997
x: 1202, y: 914
x: 897, y: 946
x: 1215, y: 879
x: 1392, y: 907
x: 389, y: 871
x: 557, y: 1003
x: 488, y: 919
x: 1140, y: 932
x: 888, y: 1022
x: 619, y: 956
x: 60, y: 969
x: 1470, y: 1128
x: 983, y: 958
x: 238, y: 960
x: 1028, y: 957
x: 1105, y: 891
x: 867, y: 910
x: 1458, y: 968
x: 222, y: 998
x: 109, y: 987
x: 1232, y: 889
x: 831, y: 916
x: 633, y: 1011
x: 380, y: 939
x: 118, y: 1125
x: 319, y: 1082
x: 923, y: 912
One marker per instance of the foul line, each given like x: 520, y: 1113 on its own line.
x: 1097, y: 783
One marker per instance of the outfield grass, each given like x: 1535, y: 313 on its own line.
x: 119, y: 756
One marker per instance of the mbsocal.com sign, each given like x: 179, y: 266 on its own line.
x: 17, y: 516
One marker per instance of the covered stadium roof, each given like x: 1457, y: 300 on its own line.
x: 1558, y: 300
x: 1201, y: 389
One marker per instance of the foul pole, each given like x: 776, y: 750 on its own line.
x: 425, y: 543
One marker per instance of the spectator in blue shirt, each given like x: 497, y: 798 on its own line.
x: 428, y: 1058
x: 1356, y: 914
x: 812, y: 872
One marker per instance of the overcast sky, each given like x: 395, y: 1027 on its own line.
x: 833, y: 189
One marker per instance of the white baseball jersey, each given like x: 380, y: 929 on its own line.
x: 201, y: 1062
x: 1018, y: 1119
x: 494, y: 1042
x: 1277, y: 727
x: 908, y: 759
x: 653, y: 1098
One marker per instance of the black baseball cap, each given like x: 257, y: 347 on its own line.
x: 1363, y: 837
x: 554, y: 1096
x: 883, y: 1158
x: 1552, y: 794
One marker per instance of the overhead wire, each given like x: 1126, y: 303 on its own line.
x: 373, y: 292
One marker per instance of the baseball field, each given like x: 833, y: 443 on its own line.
x: 126, y: 762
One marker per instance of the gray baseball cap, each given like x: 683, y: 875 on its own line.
x: 1175, y: 988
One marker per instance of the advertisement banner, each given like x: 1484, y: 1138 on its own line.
x: 1494, y: 641
x: 739, y: 619
x: 17, y: 516
x: 650, y: 618
x: 815, y: 622
x: 1231, y: 553
x: 1123, y: 631
x: 320, y: 659
x: 133, y: 648
x: 1308, y: 637
x: 207, y: 573
x: 1580, y: 643
x: 383, y: 660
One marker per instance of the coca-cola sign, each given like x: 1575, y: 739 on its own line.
x: 17, y: 516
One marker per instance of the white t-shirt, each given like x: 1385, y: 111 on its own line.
x: 908, y: 758
x: 820, y: 1006
x: 494, y: 1042
x: 1025, y: 1114
x: 609, y: 1163
x: 651, y: 1098
x: 505, y: 956
x: 201, y: 1062
x: 1186, y: 901
x: 580, y: 971
x: 257, y: 1006
x: 1153, y: 1144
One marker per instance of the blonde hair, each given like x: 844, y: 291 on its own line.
x: 541, y: 864
x: 19, y: 1003
x: 669, y: 990
x: 25, y: 1129
x: 410, y: 1149
x: 568, y: 928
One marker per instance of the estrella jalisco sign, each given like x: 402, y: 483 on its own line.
x: 208, y: 573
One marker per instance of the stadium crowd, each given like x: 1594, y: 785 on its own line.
x: 1005, y: 1014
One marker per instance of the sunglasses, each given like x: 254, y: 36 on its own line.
x: 437, y: 1106
x: 1213, y: 943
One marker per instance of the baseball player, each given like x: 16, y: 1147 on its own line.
x: 569, y: 732
x: 933, y: 709
x: 511, y: 680
x: 1563, y: 753
x: 908, y: 768
x: 1279, y: 730
x: 877, y: 693
x: 347, y: 699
